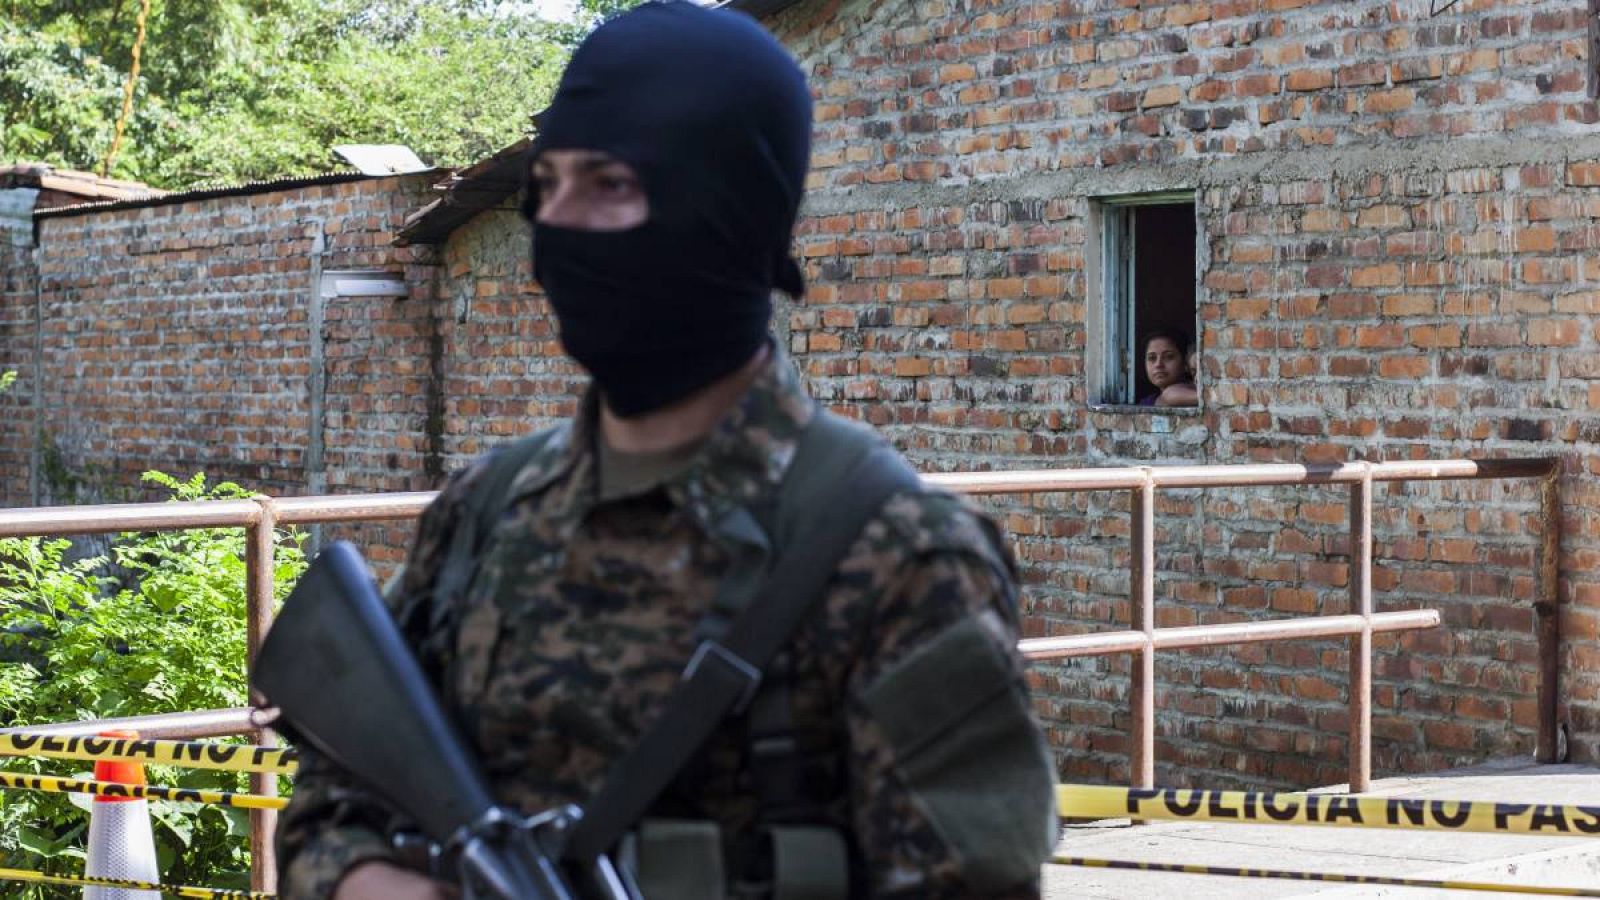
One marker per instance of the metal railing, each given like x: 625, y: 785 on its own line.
x: 261, y: 515
x: 1360, y: 625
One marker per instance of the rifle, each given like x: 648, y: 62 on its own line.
x: 344, y: 680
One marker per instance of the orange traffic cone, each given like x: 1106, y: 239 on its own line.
x: 121, y: 844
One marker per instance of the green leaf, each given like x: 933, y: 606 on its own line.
x: 178, y: 819
x: 238, y: 821
x: 39, y: 843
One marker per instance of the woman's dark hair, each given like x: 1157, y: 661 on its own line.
x: 1178, y: 339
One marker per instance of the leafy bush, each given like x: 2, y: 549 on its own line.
x: 158, y: 626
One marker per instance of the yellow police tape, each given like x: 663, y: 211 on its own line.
x: 199, y: 893
x: 1096, y: 802
x: 189, y: 754
x: 49, y: 783
x: 1335, y: 877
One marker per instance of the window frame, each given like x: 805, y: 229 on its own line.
x: 1110, y: 277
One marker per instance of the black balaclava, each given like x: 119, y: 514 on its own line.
x: 715, y: 117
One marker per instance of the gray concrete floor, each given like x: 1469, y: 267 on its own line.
x: 1510, y: 859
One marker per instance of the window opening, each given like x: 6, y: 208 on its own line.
x: 1148, y: 284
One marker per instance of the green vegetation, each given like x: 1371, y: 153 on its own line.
x: 243, y: 89
x: 157, y: 625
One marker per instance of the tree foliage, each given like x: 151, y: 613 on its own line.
x: 233, y: 90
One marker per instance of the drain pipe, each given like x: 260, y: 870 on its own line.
x: 36, y: 453
x: 316, y: 473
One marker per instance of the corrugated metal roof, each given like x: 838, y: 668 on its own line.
x: 480, y: 186
x: 209, y: 193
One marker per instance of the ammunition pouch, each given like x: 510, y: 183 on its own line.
x: 684, y: 859
x: 809, y: 862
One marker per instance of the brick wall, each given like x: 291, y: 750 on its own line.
x: 1394, y: 211
x: 501, y: 366
x: 929, y: 91
x: 177, y: 337
x: 16, y: 355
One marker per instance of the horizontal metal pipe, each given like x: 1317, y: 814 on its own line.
x: 1099, y: 643
x: 370, y: 507
x: 1074, y: 480
x: 128, y: 517
x: 1194, y: 636
x: 171, y: 726
x: 355, y: 508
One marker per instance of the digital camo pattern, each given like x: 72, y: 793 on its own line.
x: 583, y: 615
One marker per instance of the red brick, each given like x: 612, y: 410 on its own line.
x: 1388, y: 102
x: 1432, y: 336
x: 1554, y: 333
x: 1385, y: 275
x: 957, y: 72
x: 1380, y: 336
x: 1583, y: 174
x: 1309, y: 80
x: 1163, y: 95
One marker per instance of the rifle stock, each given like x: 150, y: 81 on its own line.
x: 338, y: 669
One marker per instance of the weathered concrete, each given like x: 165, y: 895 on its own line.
x: 1267, y: 166
x: 1511, y: 859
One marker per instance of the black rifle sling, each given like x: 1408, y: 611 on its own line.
x: 840, y: 478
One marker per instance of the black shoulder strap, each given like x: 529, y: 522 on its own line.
x: 841, y: 476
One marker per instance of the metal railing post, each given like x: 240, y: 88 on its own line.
x: 1361, y: 643
x: 1547, y: 606
x: 259, y: 590
x: 1141, y: 597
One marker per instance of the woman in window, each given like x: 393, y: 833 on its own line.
x: 1166, y: 364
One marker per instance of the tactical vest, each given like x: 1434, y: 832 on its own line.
x: 793, y: 856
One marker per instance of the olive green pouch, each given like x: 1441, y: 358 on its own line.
x: 809, y: 862
x: 965, y: 743
x: 680, y: 859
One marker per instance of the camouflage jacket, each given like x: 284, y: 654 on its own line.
x: 906, y: 681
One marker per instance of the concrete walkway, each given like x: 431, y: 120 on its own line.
x: 1510, y: 859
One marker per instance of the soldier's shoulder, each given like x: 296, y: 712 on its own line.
x: 536, y: 457
x: 930, y: 521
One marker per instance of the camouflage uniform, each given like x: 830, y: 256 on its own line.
x: 583, y: 614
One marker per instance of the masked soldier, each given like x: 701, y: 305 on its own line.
x: 889, y: 749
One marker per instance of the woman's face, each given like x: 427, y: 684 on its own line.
x: 1163, y: 363
x: 588, y: 191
